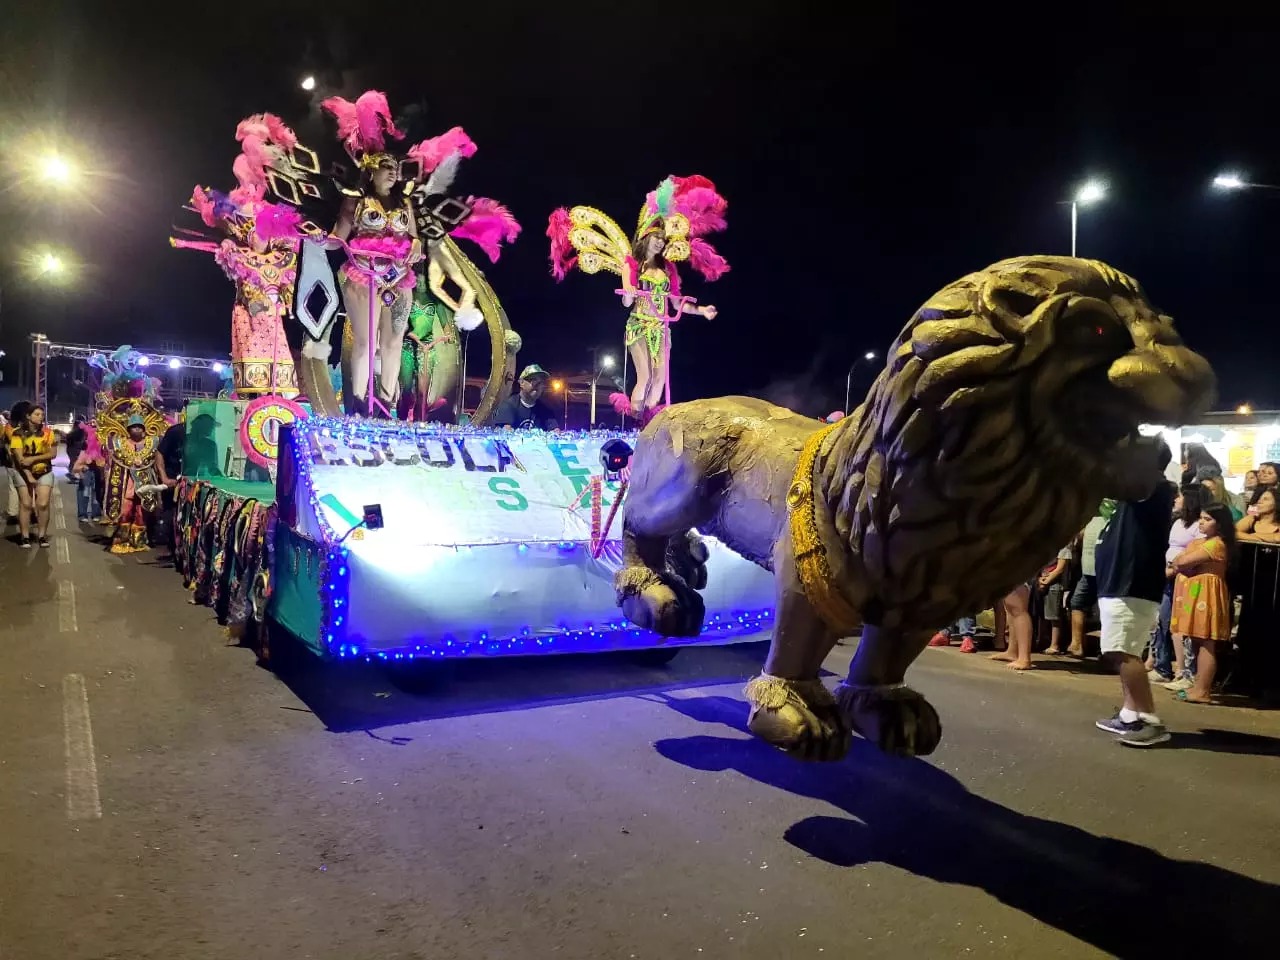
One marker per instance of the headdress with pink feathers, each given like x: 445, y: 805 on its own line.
x: 684, y: 209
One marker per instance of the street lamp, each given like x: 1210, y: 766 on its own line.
x: 56, y: 169
x: 606, y: 363
x: 1230, y: 180
x: 1089, y: 193
x: 848, y: 380
x: 308, y: 83
x: 51, y: 263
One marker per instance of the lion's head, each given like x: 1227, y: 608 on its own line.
x: 1008, y: 407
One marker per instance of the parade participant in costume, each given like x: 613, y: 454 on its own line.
x: 393, y: 220
x: 259, y: 254
x: 673, y: 221
x: 135, y: 478
x: 431, y: 357
x: 32, y: 448
x: 377, y: 224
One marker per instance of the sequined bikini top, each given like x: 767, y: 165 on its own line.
x: 372, y: 219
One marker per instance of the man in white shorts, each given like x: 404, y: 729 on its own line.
x: 1131, y: 577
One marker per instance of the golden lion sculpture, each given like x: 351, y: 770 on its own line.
x: 1008, y: 408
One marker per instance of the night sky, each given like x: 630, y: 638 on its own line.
x: 868, y: 160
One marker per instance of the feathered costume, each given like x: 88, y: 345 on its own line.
x: 682, y: 210
x: 131, y: 491
x: 259, y: 254
x: 382, y: 246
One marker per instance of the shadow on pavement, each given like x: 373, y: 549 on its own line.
x: 365, y: 696
x: 1227, y: 741
x: 911, y: 815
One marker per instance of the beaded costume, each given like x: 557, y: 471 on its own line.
x: 259, y: 254
x: 680, y: 211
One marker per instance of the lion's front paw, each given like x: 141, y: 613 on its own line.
x: 798, y: 716
x: 662, y: 602
x: 894, y: 717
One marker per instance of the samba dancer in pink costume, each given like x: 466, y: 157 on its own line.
x: 381, y: 235
x: 379, y: 227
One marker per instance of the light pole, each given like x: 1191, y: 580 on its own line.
x: 848, y: 380
x: 559, y: 386
x: 1090, y: 192
x: 606, y: 363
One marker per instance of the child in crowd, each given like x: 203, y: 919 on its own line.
x: 1201, y: 600
x: 87, y: 467
x: 1053, y: 585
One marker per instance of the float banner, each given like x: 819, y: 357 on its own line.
x: 480, y: 553
x: 450, y: 488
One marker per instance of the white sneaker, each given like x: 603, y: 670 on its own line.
x: 1182, y: 683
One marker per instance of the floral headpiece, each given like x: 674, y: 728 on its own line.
x: 683, y: 209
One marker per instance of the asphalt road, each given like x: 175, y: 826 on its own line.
x: 163, y: 796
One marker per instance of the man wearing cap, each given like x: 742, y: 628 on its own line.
x: 525, y: 410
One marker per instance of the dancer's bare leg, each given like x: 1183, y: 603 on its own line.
x: 356, y: 298
x: 391, y: 327
x: 642, y: 361
x: 657, y: 376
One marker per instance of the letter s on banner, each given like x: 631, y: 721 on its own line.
x: 508, y: 487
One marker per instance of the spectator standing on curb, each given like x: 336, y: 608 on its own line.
x: 1131, y: 580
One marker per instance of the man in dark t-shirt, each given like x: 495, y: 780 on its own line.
x: 1131, y: 578
x: 525, y: 410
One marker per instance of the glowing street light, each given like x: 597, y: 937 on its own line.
x: 557, y: 386
x: 1232, y: 180
x: 867, y: 357
x: 56, y: 169
x: 1244, y: 409
x: 606, y: 363
x: 308, y: 83
x: 1088, y: 193
x: 51, y: 263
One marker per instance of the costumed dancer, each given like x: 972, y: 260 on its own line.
x: 380, y: 225
x: 380, y: 232
x: 431, y: 364
x: 673, y: 222
x: 129, y: 429
x: 259, y: 254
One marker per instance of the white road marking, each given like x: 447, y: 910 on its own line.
x: 59, y: 521
x: 57, y: 498
x: 61, y: 550
x: 83, y: 801
x: 67, y: 607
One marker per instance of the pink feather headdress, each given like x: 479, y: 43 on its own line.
x: 697, y: 200
x: 431, y: 152
x: 363, y: 126
x: 263, y: 138
x: 489, y: 226
x: 563, y: 257
x: 276, y: 221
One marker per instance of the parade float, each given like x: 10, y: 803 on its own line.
x: 367, y: 537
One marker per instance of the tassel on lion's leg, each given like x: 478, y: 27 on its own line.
x: 790, y: 707
x: 876, y: 699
